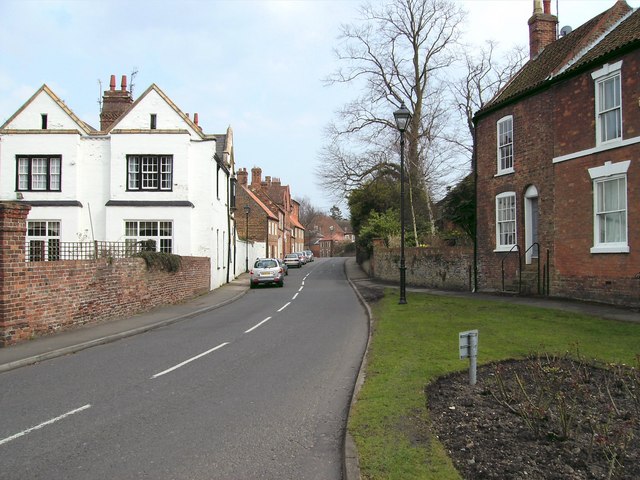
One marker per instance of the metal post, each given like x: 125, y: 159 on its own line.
x: 247, y: 209
x: 473, y: 357
x: 403, y: 268
x: 403, y: 118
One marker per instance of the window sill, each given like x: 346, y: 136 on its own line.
x: 508, y: 171
x: 510, y: 248
x: 610, y: 249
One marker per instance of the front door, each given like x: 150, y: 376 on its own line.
x: 531, y: 223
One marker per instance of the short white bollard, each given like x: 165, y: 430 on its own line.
x: 468, y: 342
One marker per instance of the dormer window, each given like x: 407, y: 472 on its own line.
x: 43, y: 125
x: 153, y: 121
x: 608, y: 109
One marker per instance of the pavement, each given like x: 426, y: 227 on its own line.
x: 71, y: 341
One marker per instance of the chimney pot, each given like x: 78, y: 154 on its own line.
x: 195, y: 119
x: 542, y: 28
x: 114, y: 103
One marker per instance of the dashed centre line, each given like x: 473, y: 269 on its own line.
x: 257, y: 325
x: 182, y: 364
x: 284, y: 306
x: 44, y: 424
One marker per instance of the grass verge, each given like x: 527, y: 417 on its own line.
x: 414, y: 344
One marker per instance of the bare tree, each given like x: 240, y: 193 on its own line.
x: 307, y: 212
x: 485, y: 74
x: 393, y: 55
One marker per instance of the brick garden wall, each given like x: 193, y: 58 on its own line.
x: 39, y: 298
x: 446, y: 268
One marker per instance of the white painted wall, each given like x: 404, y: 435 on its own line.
x: 94, y: 172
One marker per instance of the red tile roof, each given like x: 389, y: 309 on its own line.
x: 613, y: 31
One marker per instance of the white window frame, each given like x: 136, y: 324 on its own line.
x: 505, y: 247
x: 600, y: 176
x: 500, y: 146
x: 43, y: 246
x: 610, y: 72
x: 164, y: 243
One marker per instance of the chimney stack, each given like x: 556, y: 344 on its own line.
x: 542, y: 28
x: 256, y: 176
x: 114, y: 103
x: 243, y: 176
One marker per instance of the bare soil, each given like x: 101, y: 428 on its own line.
x: 536, y: 419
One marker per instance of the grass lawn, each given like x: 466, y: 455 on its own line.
x: 415, y: 343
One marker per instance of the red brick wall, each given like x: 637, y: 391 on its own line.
x: 533, y: 122
x: 39, y: 298
x: 556, y: 122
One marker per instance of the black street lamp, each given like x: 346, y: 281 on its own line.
x: 247, y: 209
x: 402, y: 117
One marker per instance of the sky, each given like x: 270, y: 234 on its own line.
x: 255, y: 65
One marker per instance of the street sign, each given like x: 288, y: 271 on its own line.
x: 468, y: 344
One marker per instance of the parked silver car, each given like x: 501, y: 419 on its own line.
x: 265, y: 271
x: 284, y: 266
x: 292, y: 260
x: 309, y: 255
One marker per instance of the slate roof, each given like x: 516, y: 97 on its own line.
x: 613, y: 31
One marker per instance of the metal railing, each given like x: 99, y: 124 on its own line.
x: 53, y: 250
x: 504, y: 257
x: 543, y: 282
x: 537, y: 252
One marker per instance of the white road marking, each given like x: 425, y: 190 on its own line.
x: 44, y: 424
x: 294, y: 297
x: 300, y: 289
x: 284, y: 306
x: 256, y: 326
x: 168, y: 370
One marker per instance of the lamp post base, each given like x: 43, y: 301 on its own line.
x: 403, y: 285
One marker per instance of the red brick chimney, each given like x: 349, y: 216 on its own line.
x: 542, y: 27
x: 114, y: 102
x: 256, y: 176
x: 243, y: 175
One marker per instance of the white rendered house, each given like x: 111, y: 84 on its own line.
x: 149, y: 173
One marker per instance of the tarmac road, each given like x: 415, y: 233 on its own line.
x: 257, y: 388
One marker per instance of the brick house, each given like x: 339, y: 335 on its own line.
x: 273, y: 217
x: 558, y: 164
x: 149, y: 172
x: 325, y: 233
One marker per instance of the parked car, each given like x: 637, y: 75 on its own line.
x: 309, y: 255
x: 292, y: 260
x: 266, y: 270
x: 284, y: 266
x: 303, y: 257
